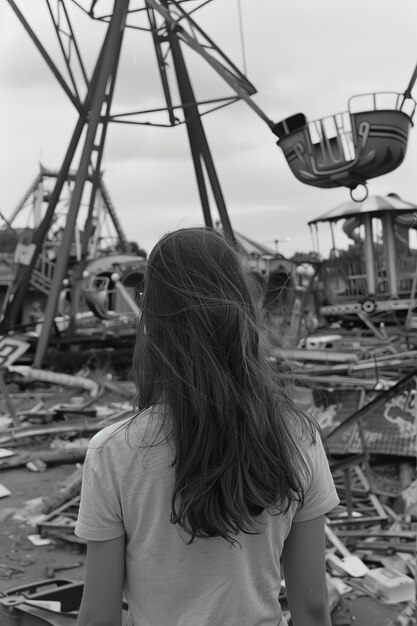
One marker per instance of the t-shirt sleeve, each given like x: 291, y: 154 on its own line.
x: 320, y: 495
x: 99, y: 517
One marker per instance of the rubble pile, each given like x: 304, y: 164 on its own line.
x: 371, y: 535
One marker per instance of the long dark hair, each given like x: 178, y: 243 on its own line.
x: 200, y: 355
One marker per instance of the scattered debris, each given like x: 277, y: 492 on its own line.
x: 350, y: 564
x: 31, y: 373
x: 389, y: 585
x: 37, y: 465
x: 371, y: 534
x: 37, y: 540
x: 4, y: 492
x: 39, y: 460
x: 51, y: 570
x: 406, y: 503
x: 406, y: 617
x: 4, y: 453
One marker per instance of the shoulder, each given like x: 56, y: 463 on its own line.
x: 117, y: 444
x: 320, y: 495
x: 107, y: 434
x: 135, y: 426
x: 310, y: 445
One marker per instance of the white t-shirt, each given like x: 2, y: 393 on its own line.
x: 127, y: 489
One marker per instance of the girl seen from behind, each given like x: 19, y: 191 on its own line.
x: 189, y: 506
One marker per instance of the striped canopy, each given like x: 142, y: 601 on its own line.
x: 372, y: 204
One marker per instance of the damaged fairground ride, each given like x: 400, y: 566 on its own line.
x: 373, y: 279
x: 357, y: 367
x: 96, y: 305
x: 68, y: 297
x: 73, y: 288
x: 91, y: 285
x: 356, y: 364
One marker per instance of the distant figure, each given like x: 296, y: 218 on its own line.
x: 189, y: 506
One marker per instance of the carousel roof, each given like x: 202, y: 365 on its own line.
x: 372, y: 204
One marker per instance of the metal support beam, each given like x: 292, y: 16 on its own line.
x: 99, y: 149
x: 72, y: 51
x: 161, y: 65
x: 369, y: 255
x: 198, y: 142
x: 225, y: 68
x: 96, y: 184
x: 390, y: 253
x: 105, y: 69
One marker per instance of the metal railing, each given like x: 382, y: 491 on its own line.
x: 343, y: 280
x: 43, y: 273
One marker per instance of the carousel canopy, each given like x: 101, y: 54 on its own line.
x: 372, y: 204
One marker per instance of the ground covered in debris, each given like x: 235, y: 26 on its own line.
x: 42, y: 447
x: 21, y: 561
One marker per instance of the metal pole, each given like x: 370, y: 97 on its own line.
x: 237, y: 81
x: 369, y: 255
x: 96, y: 181
x: 95, y: 184
x: 196, y: 135
x: 390, y: 254
x: 70, y: 39
x: 105, y: 70
x: 161, y: 65
x: 191, y: 114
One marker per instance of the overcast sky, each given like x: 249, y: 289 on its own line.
x: 301, y: 55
